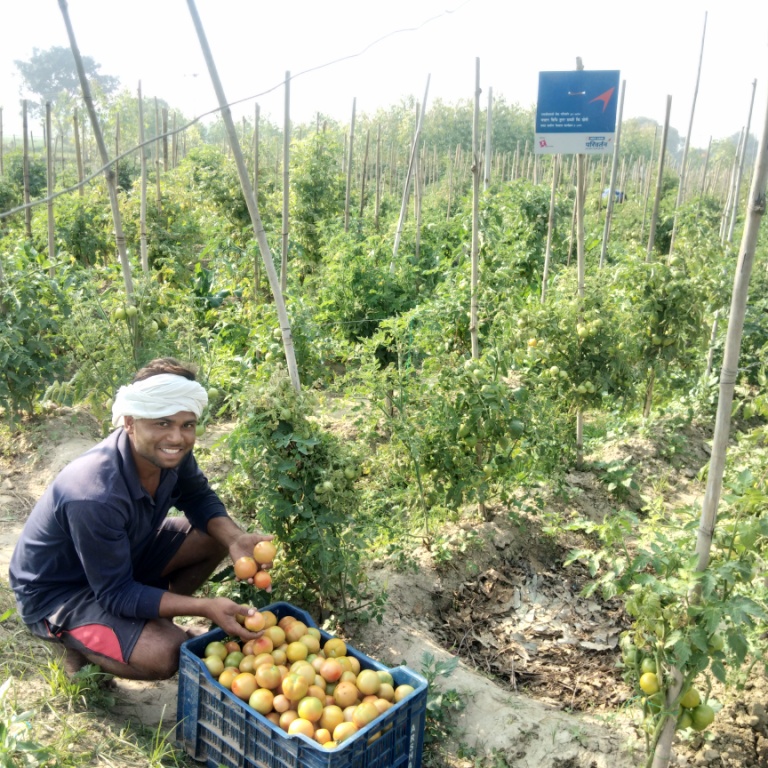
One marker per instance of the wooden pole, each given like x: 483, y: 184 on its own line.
x: 143, y: 207
x: 25, y: 170
x: 158, y: 192
x: 286, y: 182
x: 659, y: 183
x: 365, y: 166
x: 350, y: 153
x: 475, y: 249
x: 109, y: 173
x: 612, y: 185
x: 728, y: 376
x: 166, y: 162
x: 49, y: 158
x: 737, y: 184
x: 684, y: 164
x: 256, y: 117
x: 647, y: 182
x: 408, y: 179
x: 253, y: 209
x: 550, y: 229
x: 377, y: 209
x: 487, y: 168
x: 117, y: 149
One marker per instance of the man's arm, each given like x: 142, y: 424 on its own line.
x: 220, y: 610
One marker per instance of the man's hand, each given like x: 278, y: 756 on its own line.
x: 243, y: 546
x: 223, y: 613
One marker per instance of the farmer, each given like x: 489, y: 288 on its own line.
x: 101, y: 567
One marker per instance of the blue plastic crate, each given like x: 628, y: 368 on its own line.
x: 219, y: 729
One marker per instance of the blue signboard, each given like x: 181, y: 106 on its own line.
x: 576, y: 112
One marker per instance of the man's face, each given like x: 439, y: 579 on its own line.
x: 162, y: 442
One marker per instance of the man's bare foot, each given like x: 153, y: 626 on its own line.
x: 74, y: 661
x: 196, y: 631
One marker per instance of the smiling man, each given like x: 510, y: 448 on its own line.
x: 101, y: 567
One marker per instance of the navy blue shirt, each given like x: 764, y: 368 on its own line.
x: 94, y: 522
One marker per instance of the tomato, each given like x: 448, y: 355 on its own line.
x: 649, y: 683
x: 702, y: 716
x: 690, y: 699
x: 716, y: 643
x: 648, y: 664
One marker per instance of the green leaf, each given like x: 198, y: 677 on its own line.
x: 718, y: 670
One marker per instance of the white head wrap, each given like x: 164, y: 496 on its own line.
x: 158, y: 396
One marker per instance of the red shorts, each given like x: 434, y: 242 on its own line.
x: 82, y: 624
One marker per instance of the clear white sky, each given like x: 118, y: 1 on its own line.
x: 655, y: 44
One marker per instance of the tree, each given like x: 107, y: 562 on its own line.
x: 51, y: 75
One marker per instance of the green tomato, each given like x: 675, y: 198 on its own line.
x: 213, y: 393
x: 690, y: 699
x: 131, y: 311
x: 648, y: 664
x: 702, y: 716
x: 716, y: 643
x: 120, y: 313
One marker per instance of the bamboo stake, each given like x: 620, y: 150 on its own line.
x: 737, y: 185
x: 408, y: 179
x: 475, y: 248
x: 659, y: 180
x: 25, y: 170
x: 286, y: 181
x: 49, y: 158
x: 256, y: 154
x: 418, y: 177
x: 365, y: 166
x: 109, y: 174
x: 143, y: 207
x: 256, y: 263
x: 704, y: 173
x: 612, y: 185
x: 488, y: 117
x: 85, y: 146
x: 166, y: 163
x: 348, y: 192
x: 175, y: 144
x: 728, y: 376
x: 377, y: 209
x: 712, y: 340
x: 647, y: 184
x: 730, y: 192
x: 684, y: 163
x: 550, y: 229
x: 580, y: 272
x: 158, y: 192
x: 250, y: 200
x: 117, y: 150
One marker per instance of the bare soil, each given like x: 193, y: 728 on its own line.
x: 537, y: 662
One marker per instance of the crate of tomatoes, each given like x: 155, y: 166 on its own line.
x: 296, y: 698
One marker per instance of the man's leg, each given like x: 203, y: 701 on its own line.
x: 195, y: 560
x: 155, y: 656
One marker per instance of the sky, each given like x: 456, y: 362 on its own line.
x: 377, y: 54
